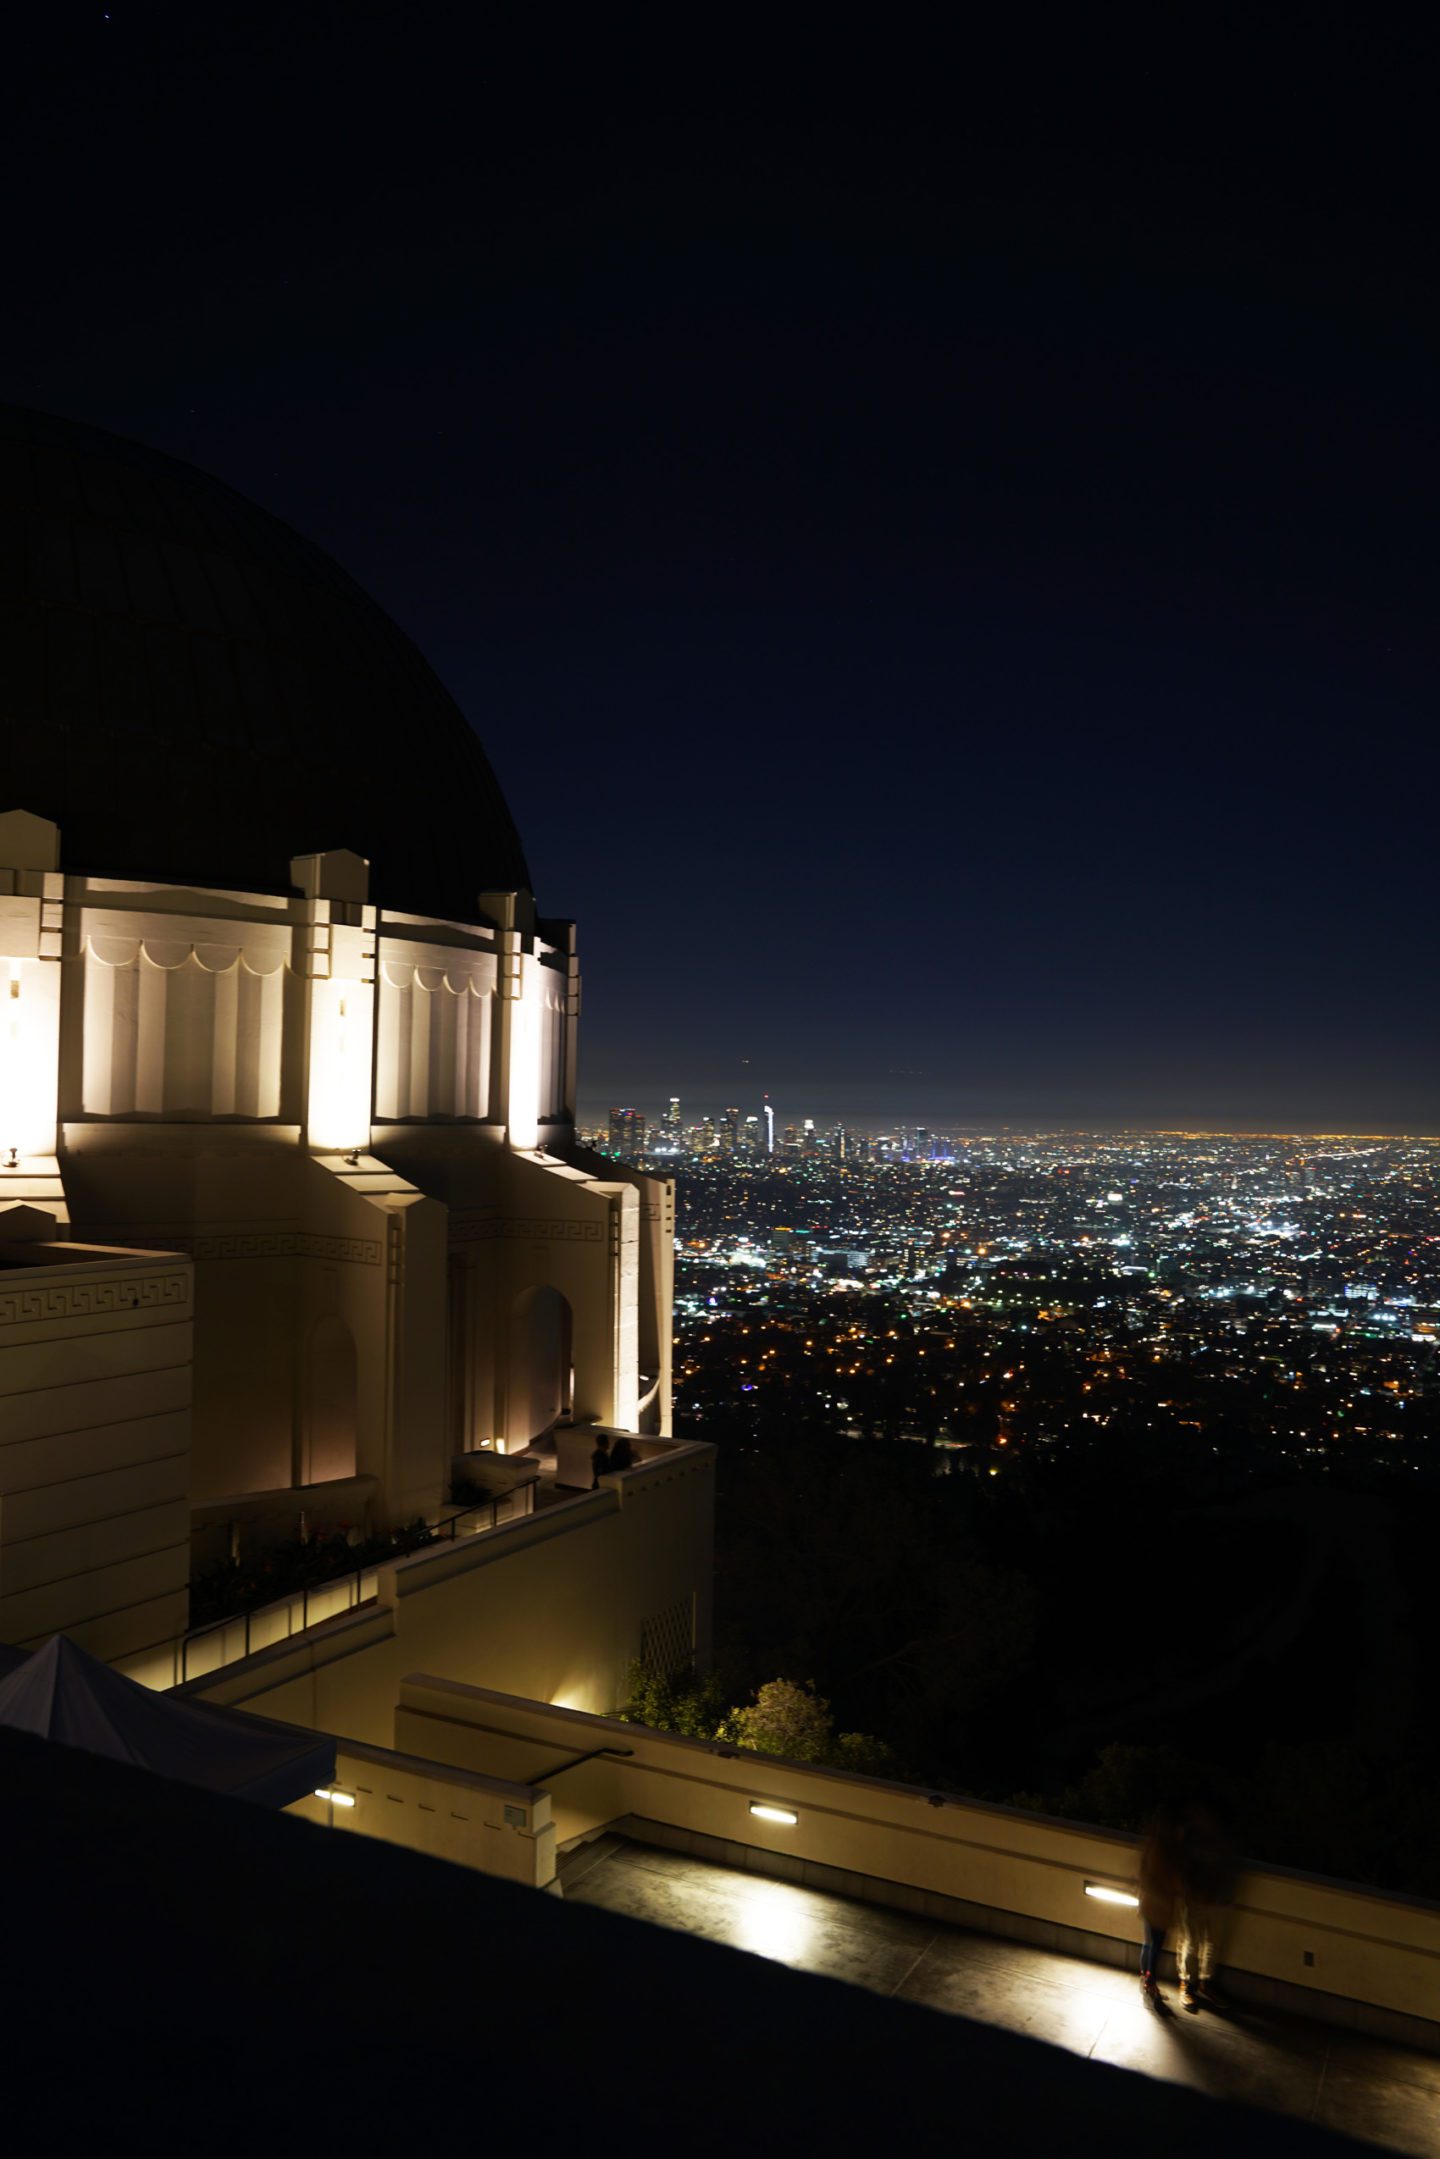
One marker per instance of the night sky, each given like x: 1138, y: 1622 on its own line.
x: 938, y: 540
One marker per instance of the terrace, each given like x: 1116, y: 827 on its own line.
x: 1262, y: 2057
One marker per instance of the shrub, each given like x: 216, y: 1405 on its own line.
x: 785, y: 1719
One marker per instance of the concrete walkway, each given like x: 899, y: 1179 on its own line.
x: 1363, y: 2087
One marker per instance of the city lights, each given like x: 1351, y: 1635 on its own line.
x: 958, y: 1290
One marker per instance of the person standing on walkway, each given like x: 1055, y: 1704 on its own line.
x: 600, y: 1461
x: 1159, y: 1895
x: 1207, y: 1871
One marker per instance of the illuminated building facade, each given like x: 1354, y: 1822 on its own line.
x: 275, y: 997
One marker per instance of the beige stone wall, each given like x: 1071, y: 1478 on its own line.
x: 655, y: 1292
x: 95, y: 1383
x: 1366, y: 1947
x: 473, y: 1821
x: 220, y: 1055
x: 211, y: 1069
x: 320, y: 1320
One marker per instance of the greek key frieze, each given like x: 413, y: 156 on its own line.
x: 360, y: 1251
x: 92, y: 1300
x: 541, y: 1229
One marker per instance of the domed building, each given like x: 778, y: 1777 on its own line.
x: 277, y: 1002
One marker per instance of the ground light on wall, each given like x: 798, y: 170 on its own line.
x: 763, y: 1811
x: 1102, y: 1892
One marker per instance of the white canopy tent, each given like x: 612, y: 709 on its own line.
x: 61, y: 1693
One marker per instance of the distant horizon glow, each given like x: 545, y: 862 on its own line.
x: 593, y: 1114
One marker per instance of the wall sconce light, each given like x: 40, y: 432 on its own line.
x: 1105, y: 1895
x: 764, y: 1812
x: 341, y: 1075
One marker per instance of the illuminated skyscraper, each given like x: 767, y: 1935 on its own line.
x: 769, y: 1117
x: 627, y: 1134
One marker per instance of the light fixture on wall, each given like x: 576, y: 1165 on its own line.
x: 29, y: 1038
x: 336, y: 1797
x: 764, y: 1812
x: 1104, y: 1894
x: 341, y: 1025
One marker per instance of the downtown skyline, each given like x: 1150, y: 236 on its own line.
x: 860, y: 1109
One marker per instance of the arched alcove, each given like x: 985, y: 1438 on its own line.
x: 538, y: 1365
x: 244, y: 1405
x: 330, y: 1398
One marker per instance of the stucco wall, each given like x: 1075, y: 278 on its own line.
x: 95, y: 1377
x: 473, y: 1821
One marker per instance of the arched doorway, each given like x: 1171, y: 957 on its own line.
x: 538, y: 1365
x: 327, y: 1445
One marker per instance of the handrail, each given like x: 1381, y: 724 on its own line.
x: 263, y: 1611
x: 548, y: 1776
x: 491, y: 1501
x: 445, y: 1532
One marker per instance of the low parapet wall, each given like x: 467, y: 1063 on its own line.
x: 456, y: 1814
x: 1329, y: 1949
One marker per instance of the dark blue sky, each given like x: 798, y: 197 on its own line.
x: 938, y: 543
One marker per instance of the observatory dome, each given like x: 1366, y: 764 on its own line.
x: 195, y: 694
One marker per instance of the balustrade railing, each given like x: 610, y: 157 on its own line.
x: 244, y: 1634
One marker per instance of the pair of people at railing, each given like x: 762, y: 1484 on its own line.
x: 611, y: 1454
x: 1187, y: 1872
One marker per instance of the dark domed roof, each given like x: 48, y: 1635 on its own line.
x: 195, y: 694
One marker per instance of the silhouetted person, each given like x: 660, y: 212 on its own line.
x: 622, y: 1454
x: 599, y: 1462
x: 1159, y: 1896
x: 1207, y: 1875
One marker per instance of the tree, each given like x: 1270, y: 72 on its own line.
x: 783, y: 1719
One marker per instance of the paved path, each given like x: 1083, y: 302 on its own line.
x: 1364, y: 2087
